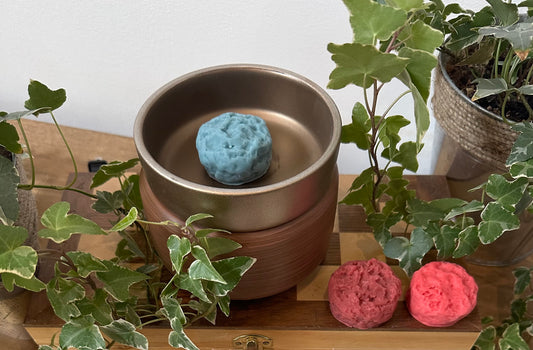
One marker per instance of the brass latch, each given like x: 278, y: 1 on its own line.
x: 252, y: 342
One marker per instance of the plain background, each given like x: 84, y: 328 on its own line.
x: 111, y: 55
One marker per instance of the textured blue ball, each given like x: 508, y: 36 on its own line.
x: 234, y: 148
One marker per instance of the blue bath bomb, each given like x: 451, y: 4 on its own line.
x: 234, y: 148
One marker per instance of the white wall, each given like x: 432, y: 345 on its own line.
x: 111, y: 55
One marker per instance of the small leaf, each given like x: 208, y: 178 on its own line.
x: 60, y: 225
x: 194, y: 286
x: 526, y: 89
x: 409, y: 252
x: 371, y: 21
x: 519, y: 35
x: 507, y: 13
x: 124, y: 332
x: 202, y: 268
x: 356, y: 132
x: 362, y: 64
x: 178, y: 248
x: 97, y: 307
x: 423, y: 212
x: 381, y: 225
x: 215, y: 246
x: 445, y: 241
x: 522, y: 149
x: 196, y: 217
x: 9, y: 181
x: 420, y: 66
x: 62, y: 295
x: 111, y: 170
x: 421, y: 36
x: 133, y: 193
x: 179, y: 339
x: 41, y: 96
x: 512, y: 340
x: 489, y: 87
x: 9, y: 280
x: 522, y: 279
x: 468, y: 242
x: 495, y: 221
x: 126, y: 221
x: 15, y: 258
x: 486, y: 338
x: 470, y: 207
x: 82, y: 334
x: 9, y: 138
x: 107, y: 202
x: 231, y: 269
x: 22, y: 114
x: 85, y: 263
x: 508, y: 194
x: 118, y: 280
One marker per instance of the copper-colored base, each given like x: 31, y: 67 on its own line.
x: 285, y: 254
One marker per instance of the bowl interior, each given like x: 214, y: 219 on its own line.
x: 299, y: 119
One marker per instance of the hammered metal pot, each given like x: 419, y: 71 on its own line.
x: 304, y: 123
x: 283, y: 219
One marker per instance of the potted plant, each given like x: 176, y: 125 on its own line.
x: 483, y: 87
x: 91, y: 295
x: 396, y: 39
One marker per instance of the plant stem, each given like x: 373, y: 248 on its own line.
x: 57, y: 188
x: 528, y: 107
x: 394, y: 102
x: 26, y: 141
x: 69, y: 152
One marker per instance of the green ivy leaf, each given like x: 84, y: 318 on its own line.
x: 97, y: 307
x: 464, y: 33
x: 9, y: 180
x: 22, y: 114
x: 381, y: 225
x: 124, y: 332
x: 15, y: 258
x: 86, y: 263
x: 126, y: 309
x: 117, y: 280
x: 507, y: 13
x: 111, y: 170
x: 362, y: 64
x: 371, y: 21
x: 421, y: 64
x: 522, y: 149
x: 9, y: 138
x: 133, y: 193
x: 194, y: 286
x: 178, y: 248
x: 107, y: 202
x: 231, y: 269
x: 356, y: 132
x: 81, y: 333
x: 405, y: 156
x: 202, y: 268
x: 522, y: 277
x: 41, y: 96
x: 177, y: 337
x: 409, y: 252
x: 60, y: 225
x: 421, y: 110
x: 445, y: 241
x: 126, y: 221
x: 526, y: 89
x: 486, y: 338
x: 9, y: 280
x: 215, y: 246
x: 470, y: 207
x: 421, y: 36
x: 223, y: 304
x: 196, y: 217
x: 390, y: 129
x: 489, y: 87
x: 508, y: 194
x: 468, y: 242
x: 63, y: 294
x: 423, y: 212
x: 512, y: 340
x: 495, y: 221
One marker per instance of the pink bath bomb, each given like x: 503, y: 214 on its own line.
x: 363, y: 294
x: 441, y: 293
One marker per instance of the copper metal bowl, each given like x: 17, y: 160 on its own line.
x: 304, y: 123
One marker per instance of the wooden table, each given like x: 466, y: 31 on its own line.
x: 322, y: 331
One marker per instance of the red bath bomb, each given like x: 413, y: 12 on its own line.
x: 363, y: 294
x: 441, y: 293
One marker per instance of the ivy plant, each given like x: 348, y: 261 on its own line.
x: 96, y: 297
